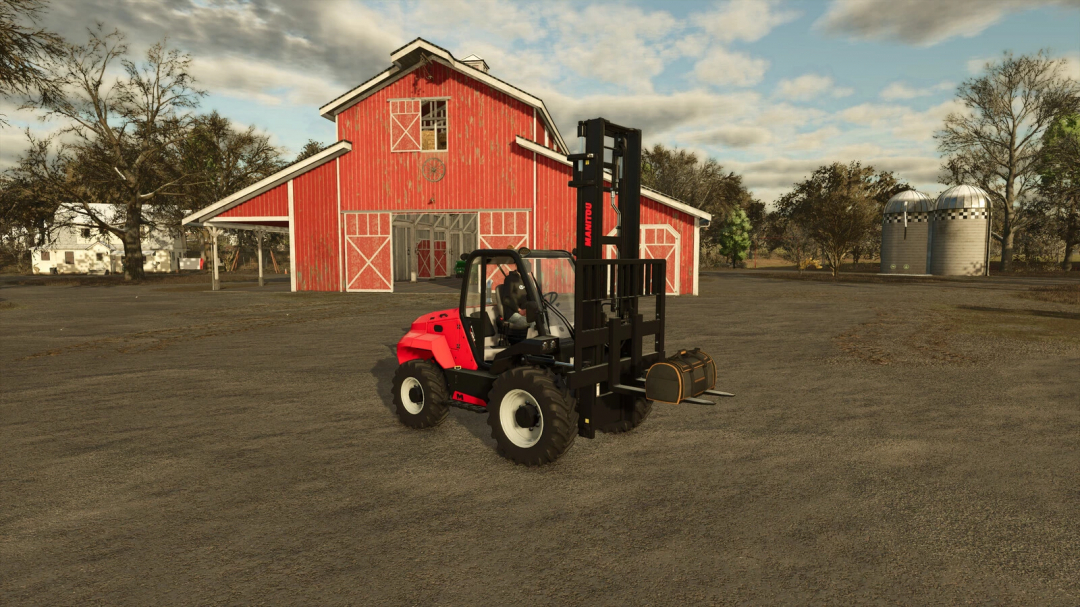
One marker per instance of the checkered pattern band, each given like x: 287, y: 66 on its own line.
x: 961, y: 214
x: 911, y: 217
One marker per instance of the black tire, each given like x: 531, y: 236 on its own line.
x: 642, y: 409
x: 526, y: 389
x: 431, y: 407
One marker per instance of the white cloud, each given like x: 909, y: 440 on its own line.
x: 905, y: 122
x: 920, y: 126
x: 814, y: 139
x: 809, y: 86
x: 1072, y: 65
x: 721, y: 66
x: 976, y: 65
x: 734, y: 136
x: 872, y: 114
x: 628, y: 51
x: 493, y: 20
x: 263, y: 82
x: 745, y: 20
x: 656, y: 115
x: 900, y: 90
x: 920, y: 22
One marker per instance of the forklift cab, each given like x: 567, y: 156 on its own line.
x: 509, y: 296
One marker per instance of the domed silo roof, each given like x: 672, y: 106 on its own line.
x: 904, y: 230
x: 911, y: 201
x: 963, y: 197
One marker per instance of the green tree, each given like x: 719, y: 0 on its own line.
x: 995, y: 143
x: 224, y: 159
x: 701, y: 184
x: 735, y: 237
x: 27, y: 204
x: 1059, y: 182
x: 310, y: 148
x: 838, y: 206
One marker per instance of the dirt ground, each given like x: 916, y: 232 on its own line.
x: 898, y: 443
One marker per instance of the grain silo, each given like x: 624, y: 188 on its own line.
x: 904, y: 233
x: 960, y: 232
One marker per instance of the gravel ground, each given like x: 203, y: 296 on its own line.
x: 911, y: 444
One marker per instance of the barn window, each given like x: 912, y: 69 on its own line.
x: 86, y: 232
x: 405, y: 125
x: 45, y: 256
x: 100, y: 257
x: 69, y: 256
x: 433, y: 125
x: 418, y: 125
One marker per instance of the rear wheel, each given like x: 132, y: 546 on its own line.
x: 533, y: 419
x: 642, y: 409
x: 420, y: 394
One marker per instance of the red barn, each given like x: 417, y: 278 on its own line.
x: 435, y: 157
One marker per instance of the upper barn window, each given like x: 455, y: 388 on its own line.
x: 418, y: 125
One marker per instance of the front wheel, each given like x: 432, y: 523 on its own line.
x: 533, y: 420
x: 420, y: 393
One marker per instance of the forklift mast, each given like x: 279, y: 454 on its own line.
x: 609, y: 361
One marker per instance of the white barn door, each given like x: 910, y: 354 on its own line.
x: 658, y: 241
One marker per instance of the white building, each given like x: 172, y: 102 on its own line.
x: 80, y: 247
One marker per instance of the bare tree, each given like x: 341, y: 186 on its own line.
x: 26, y: 51
x: 794, y: 242
x: 126, y: 133
x: 995, y: 144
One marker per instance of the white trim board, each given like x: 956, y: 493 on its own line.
x: 219, y: 219
x: 271, y: 182
x: 292, y: 242
x: 225, y: 225
x: 437, y: 211
x: 651, y: 194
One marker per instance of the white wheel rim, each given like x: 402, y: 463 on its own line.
x: 522, y: 437
x: 412, y: 406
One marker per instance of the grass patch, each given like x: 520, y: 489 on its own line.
x: 1018, y: 324
x: 1066, y: 294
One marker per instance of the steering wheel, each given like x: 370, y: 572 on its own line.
x: 551, y: 297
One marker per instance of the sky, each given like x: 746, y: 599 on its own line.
x: 771, y: 89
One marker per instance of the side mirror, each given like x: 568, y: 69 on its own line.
x: 524, y: 251
x: 532, y: 311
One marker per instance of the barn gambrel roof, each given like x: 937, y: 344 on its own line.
x: 412, y: 56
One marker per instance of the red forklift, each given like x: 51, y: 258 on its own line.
x: 550, y: 344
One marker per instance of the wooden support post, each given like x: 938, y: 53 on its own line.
x: 259, y: 239
x: 215, y: 283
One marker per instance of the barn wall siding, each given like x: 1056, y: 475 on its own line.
x: 315, y: 230
x: 520, y: 197
x: 484, y: 167
x: 557, y: 216
x: 272, y: 203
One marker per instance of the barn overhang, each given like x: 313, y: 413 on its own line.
x: 414, y: 55
x: 703, y: 218
x: 212, y: 215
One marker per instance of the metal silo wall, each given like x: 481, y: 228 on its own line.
x: 900, y: 253
x: 958, y: 242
